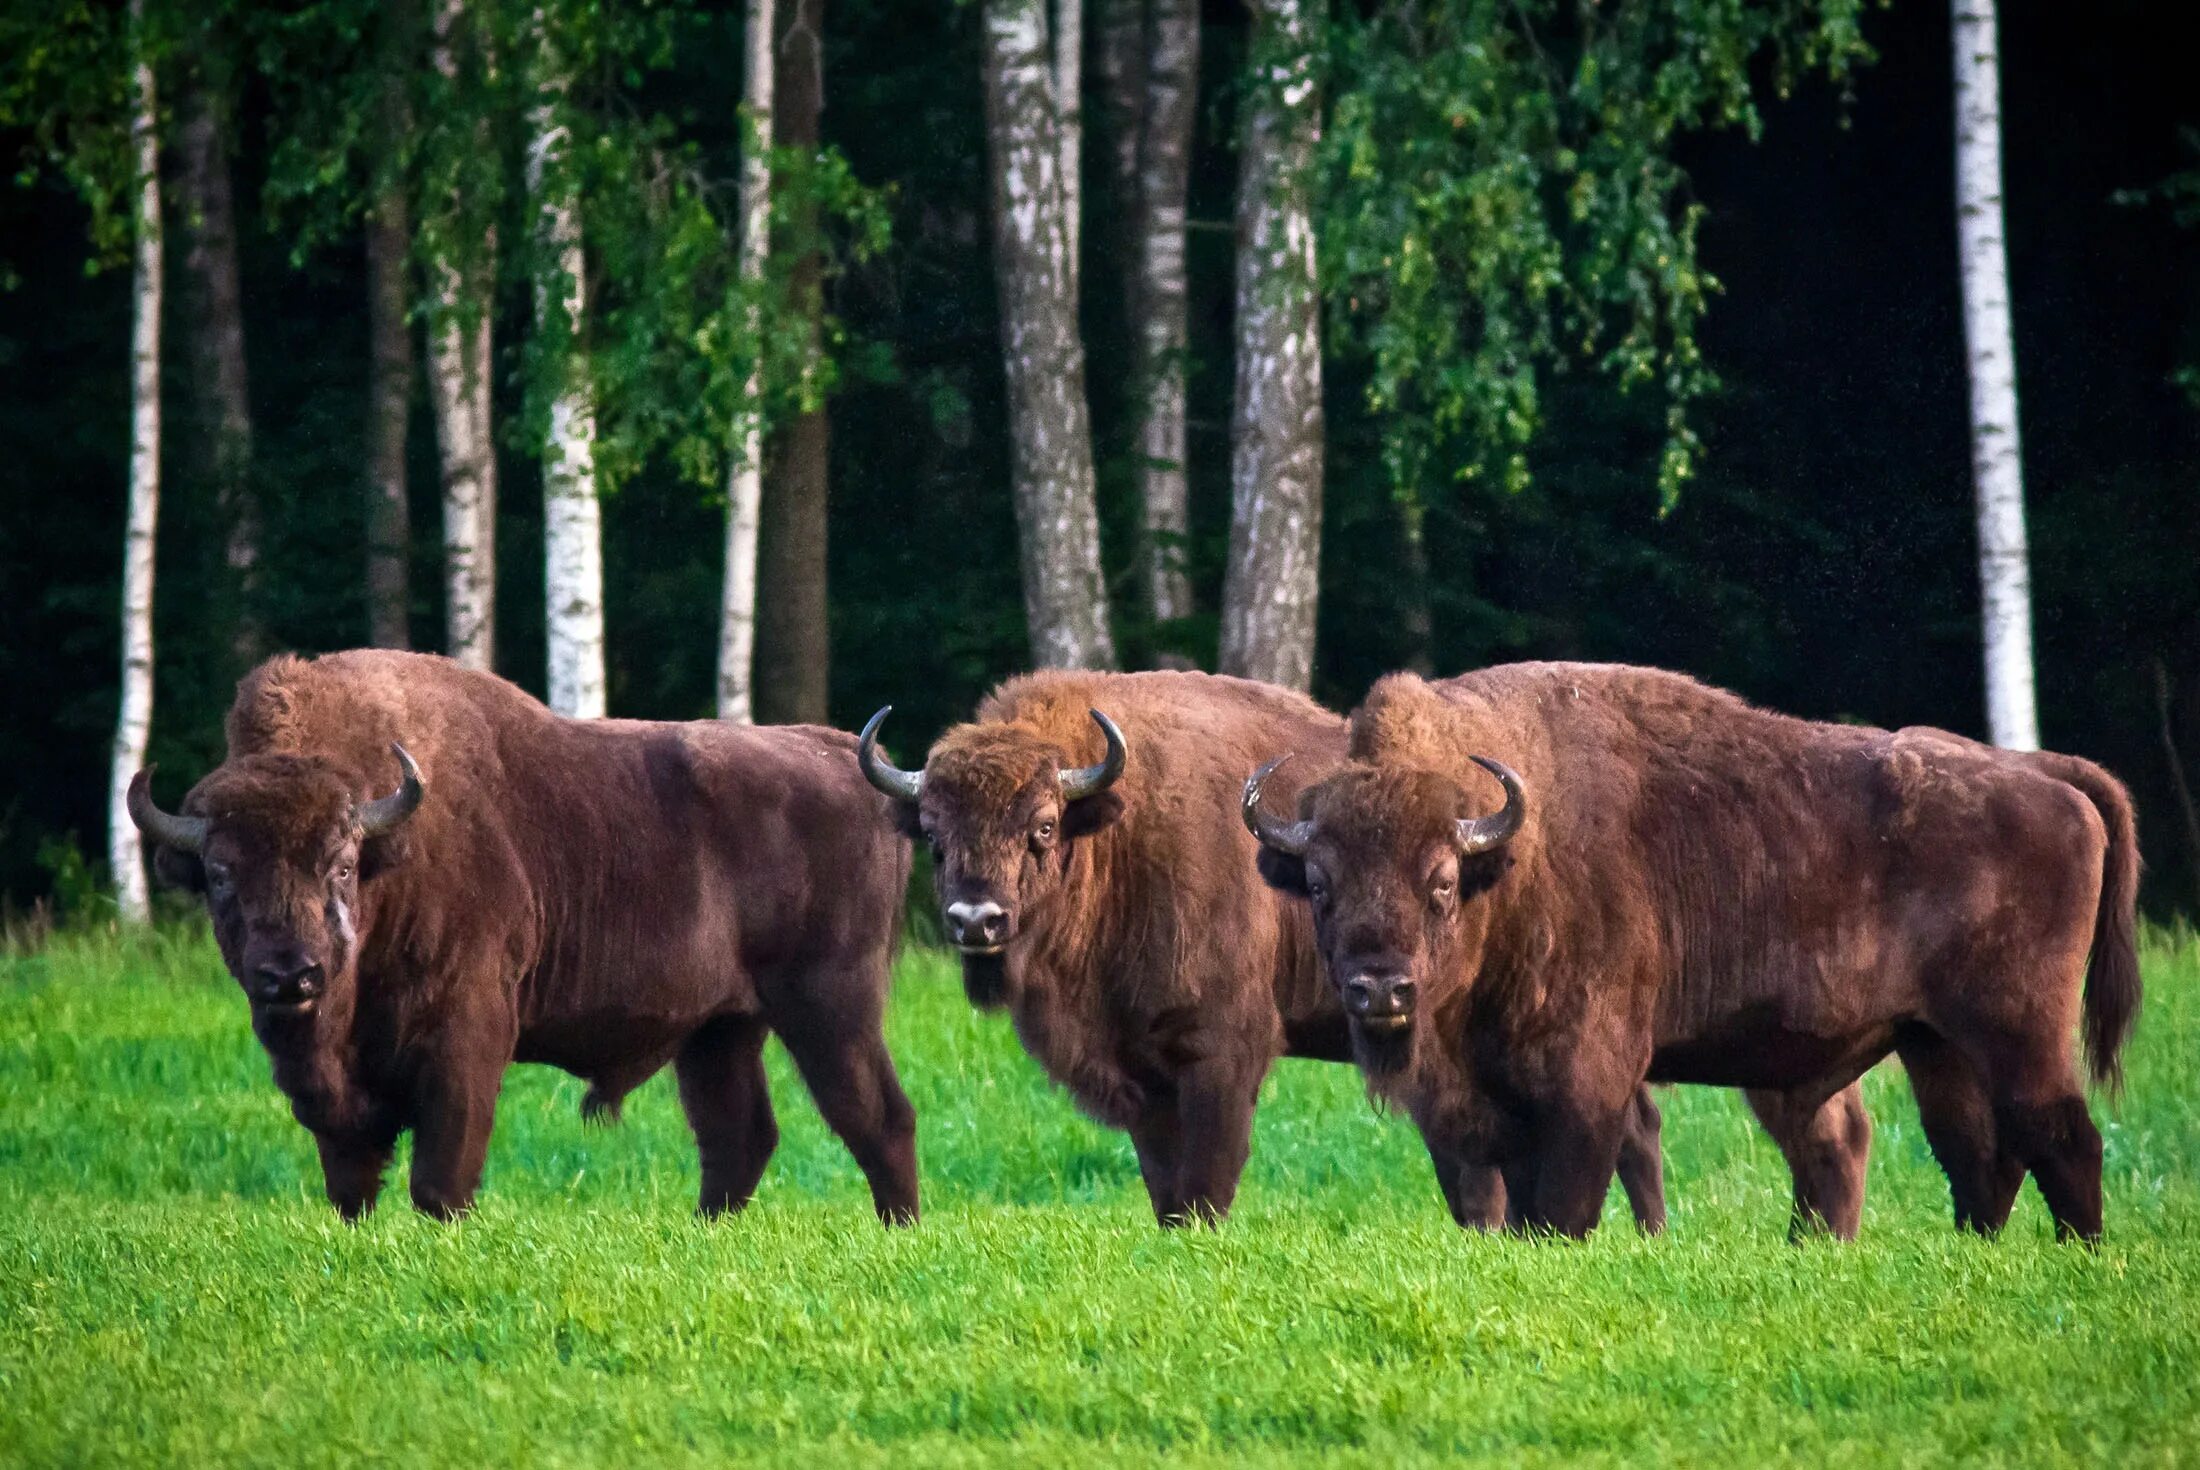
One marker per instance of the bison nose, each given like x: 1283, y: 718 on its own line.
x: 287, y: 982
x: 979, y: 926
x: 1379, y: 996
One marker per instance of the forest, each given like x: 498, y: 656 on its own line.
x: 786, y: 359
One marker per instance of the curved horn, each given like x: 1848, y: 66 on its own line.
x: 185, y: 834
x: 1286, y: 837
x: 1084, y: 781
x: 388, y: 813
x: 1481, y: 834
x: 881, y: 772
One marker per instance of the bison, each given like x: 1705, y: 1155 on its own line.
x: 1681, y: 887
x: 1108, y: 901
x: 601, y: 895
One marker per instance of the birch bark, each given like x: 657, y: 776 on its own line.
x: 1050, y: 432
x: 1270, y: 589
x: 572, y: 516
x: 134, y: 720
x: 1171, y: 73
x: 745, y: 484
x: 1997, y: 472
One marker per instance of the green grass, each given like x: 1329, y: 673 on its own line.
x: 172, y: 1289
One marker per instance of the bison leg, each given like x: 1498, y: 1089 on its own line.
x: 1577, y: 1152
x: 1958, y: 1117
x: 1642, y: 1162
x: 1158, y: 1138
x: 2041, y: 1117
x: 1215, y: 1103
x: 456, y: 1100
x: 1826, y: 1149
x: 856, y: 1089
x: 351, y: 1171
x: 729, y: 1109
x: 1474, y: 1193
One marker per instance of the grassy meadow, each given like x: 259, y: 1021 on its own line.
x: 173, y: 1289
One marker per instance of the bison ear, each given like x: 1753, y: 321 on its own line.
x: 1282, y: 871
x: 906, y: 820
x: 377, y: 855
x: 1088, y: 814
x: 179, y: 869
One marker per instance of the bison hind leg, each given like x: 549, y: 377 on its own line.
x: 1958, y: 1118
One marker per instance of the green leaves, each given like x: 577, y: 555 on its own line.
x: 1500, y: 203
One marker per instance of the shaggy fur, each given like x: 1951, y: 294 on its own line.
x: 1148, y: 970
x: 605, y: 896
x: 1707, y: 892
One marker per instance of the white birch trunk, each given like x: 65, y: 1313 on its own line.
x: 1158, y: 307
x: 745, y: 482
x: 1270, y: 589
x: 572, y: 516
x: 134, y: 722
x: 1050, y: 430
x: 1997, y: 472
x: 1069, y: 122
x: 460, y: 367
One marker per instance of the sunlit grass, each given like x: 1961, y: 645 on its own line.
x: 173, y: 1289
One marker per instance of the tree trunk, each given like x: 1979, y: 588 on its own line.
x: 1417, y: 622
x: 460, y: 365
x: 1158, y: 306
x: 745, y: 485
x: 134, y: 722
x: 1121, y: 57
x: 1269, y: 591
x: 389, y: 400
x: 1997, y: 472
x: 1050, y: 432
x: 793, y: 632
x: 572, y: 516
x: 220, y: 385
x: 1069, y: 123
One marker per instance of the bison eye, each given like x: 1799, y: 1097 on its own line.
x: 1044, y: 832
x: 342, y: 874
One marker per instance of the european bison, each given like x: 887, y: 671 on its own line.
x: 602, y: 895
x: 1681, y: 887
x: 1090, y: 872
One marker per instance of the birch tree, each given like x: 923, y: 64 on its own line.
x: 793, y: 642
x: 572, y: 515
x: 1270, y: 588
x: 460, y: 367
x: 1069, y: 116
x: 389, y: 389
x: 1996, y: 461
x: 1050, y: 432
x: 1170, y: 77
x: 220, y: 384
x: 134, y: 723
x: 745, y: 486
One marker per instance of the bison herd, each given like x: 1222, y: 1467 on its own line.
x: 1514, y: 899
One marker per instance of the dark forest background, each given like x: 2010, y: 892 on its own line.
x: 1823, y: 560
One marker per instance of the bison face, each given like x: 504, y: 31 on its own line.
x: 279, y: 845
x: 1391, y: 863
x: 1001, y: 808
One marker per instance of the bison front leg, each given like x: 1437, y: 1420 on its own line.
x: 351, y: 1171
x: 1215, y: 1109
x: 1158, y: 1137
x: 456, y: 1104
x: 1642, y: 1162
x: 1474, y: 1193
x: 1577, y: 1151
x: 1826, y: 1148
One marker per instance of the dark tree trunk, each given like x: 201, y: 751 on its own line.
x: 1158, y: 303
x: 219, y: 385
x: 793, y: 636
x: 389, y: 402
x: 1050, y: 429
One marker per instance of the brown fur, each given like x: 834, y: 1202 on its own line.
x: 1150, y: 972
x: 605, y: 896
x: 1703, y: 891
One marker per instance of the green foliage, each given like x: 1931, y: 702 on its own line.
x: 172, y: 1287
x: 1501, y: 200
x: 67, y: 84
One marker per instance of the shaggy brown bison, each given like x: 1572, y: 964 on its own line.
x: 602, y: 895
x: 1681, y: 887
x: 1090, y: 872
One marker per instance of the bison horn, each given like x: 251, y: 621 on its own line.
x: 881, y: 772
x: 1286, y: 837
x: 1084, y: 781
x: 388, y: 813
x: 185, y: 834
x: 1481, y: 834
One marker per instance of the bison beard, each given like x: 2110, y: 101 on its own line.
x: 985, y: 980
x: 1706, y: 892
x: 604, y: 896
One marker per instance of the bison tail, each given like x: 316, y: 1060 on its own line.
x: 2112, y: 984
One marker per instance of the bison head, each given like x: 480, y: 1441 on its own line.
x: 1002, y: 807
x: 1392, y: 861
x: 279, y: 845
